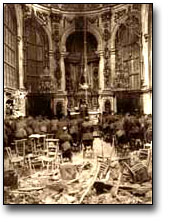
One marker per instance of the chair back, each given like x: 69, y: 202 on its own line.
x: 52, y: 146
x: 9, y: 152
x: 20, y: 147
x: 50, y: 136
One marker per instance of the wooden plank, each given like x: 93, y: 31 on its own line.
x: 29, y: 189
x: 90, y: 185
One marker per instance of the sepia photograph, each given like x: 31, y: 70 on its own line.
x: 77, y: 94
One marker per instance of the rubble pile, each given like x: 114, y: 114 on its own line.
x: 108, y: 181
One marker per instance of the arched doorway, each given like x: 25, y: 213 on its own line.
x: 74, y: 70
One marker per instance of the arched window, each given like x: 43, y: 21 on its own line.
x: 128, y: 55
x: 10, y: 48
x: 36, y: 53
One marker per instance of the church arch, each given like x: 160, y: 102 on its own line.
x: 90, y: 29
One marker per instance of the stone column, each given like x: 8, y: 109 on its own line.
x: 100, y: 101
x: 20, y: 62
x: 146, y: 98
x: 101, y: 69
x: 21, y: 75
x: 51, y: 63
x: 115, y: 104
x: 112, y: 65
x: 62, y: 68
x: 145, y: 50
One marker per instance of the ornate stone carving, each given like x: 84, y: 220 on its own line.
x: 43, y: 16
x: 57, y: 74
x: 69, y: 20
x: 46, y: 85
x: 95, y: 79
x: 119, y: 15
x: 56, y: 18
x: 136, y: 7
x: 56, y: 36
x: 107, y: 73
x: 106, y: 34
x: 27, y: 11
x: 93, y: 20
x: 106, y: 16
x: 106, y: 53
x: 132, y: 22
x: 121, y: 81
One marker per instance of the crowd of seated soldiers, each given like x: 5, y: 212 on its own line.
x: 132, y: 130
x: 125, y: 129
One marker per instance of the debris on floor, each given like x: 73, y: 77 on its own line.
x: 117, y: 180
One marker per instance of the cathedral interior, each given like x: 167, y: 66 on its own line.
x: 52, y: 50
x: 77, y: 103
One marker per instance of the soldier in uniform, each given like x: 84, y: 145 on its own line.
x: 66, y: 144
x: 87, y: 134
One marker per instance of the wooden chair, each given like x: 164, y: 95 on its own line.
x: 50, y: 136
x: 14, y: 160
x: 34, y: 162
x: 35, y: 158
x: 20, y: 148
x: 52, y: 154
x: 38, y: 143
